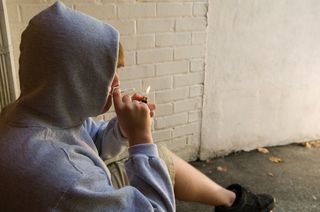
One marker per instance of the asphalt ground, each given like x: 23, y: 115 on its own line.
x: 294, y: 182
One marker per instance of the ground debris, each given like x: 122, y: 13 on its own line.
x: 222, y: 169
x: 270, y: 174
x: 311, y: 144
x: 275, y: 159
x: 208, y: 161
x: 314, y: 197
x: 263, y: 150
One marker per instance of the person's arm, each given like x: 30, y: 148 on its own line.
x: 91, y: 190
x: 107, y: 137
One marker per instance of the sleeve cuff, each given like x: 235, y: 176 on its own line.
x: 150, y: 150
x: 118, y: 132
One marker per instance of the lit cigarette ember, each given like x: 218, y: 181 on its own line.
x: 145, y: 98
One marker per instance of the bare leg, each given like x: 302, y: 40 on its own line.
x: 192, y: 185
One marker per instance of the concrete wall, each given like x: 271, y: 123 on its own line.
x: 262, y: 84
x: 165, y: 44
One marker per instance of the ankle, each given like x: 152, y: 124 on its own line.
x: 231, y: 198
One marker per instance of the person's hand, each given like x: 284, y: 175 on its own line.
x: 135, y: 117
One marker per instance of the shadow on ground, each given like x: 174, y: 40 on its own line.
x: 295, y: 183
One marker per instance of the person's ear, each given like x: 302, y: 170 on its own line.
x: 120, y: 56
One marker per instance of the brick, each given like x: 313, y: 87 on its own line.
x: 125, y: 27
x: 164, y: 109
x: 194, y: 139
x: 175, y: 67
x: 158, y: 83
x: 182, y: 147
x: 174, y: 9
x: 171, y: 0
x: 194, y: 116
x: 144, y: 10
x: 160, y: 135
x: 171, y: 121
x: 186, y: 129
x: 137, y: 72
x: 173, y: 39
x: 199, y: 37
x: 189, y: 52
x: 197, y: 65
x: 101, y: 12
x: 157, y: 25
x: 130, y: 58
x: 196, y: 90
x: 145, y: 41
x: 136, y: 42
x: 116, y: 1
x: 200, y: 9
x: 154, y: 55
x: 188, y: 79
x: 30, y: 10
x: 172, y: 95
x: 191, y: 24
x: 187, y: 105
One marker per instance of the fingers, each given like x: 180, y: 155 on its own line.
x: 137, y: 96
x: 117, y: 101
x: 126, y: 99
x: 152, y: 106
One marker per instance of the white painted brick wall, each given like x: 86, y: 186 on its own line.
x: 155, y: 25
x: 174, y: 9
x: 154, y: 55
x: 173, y: 39
x: 176, y: 67
x: 165, y: 47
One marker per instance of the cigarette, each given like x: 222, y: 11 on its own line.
x: 128, y: 90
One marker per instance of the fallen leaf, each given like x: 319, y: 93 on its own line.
x: 311, y: 144
x: 275, y: 159
x: 315, y: 143
x: 222, y: 169
x: 263, y: 150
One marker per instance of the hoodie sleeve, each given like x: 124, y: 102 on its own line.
x: 150, y: 186
x: 107, y: 137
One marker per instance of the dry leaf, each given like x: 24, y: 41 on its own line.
x: 311, y: 144
x: 275, y: 159
x: 222, y: 169
x: 315, y: 143
x: 263, y: 150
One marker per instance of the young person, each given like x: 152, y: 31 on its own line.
x: 54, y: 157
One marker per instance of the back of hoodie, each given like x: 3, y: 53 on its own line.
x: 50, y: 150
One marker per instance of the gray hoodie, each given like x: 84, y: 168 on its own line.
x: 51, y: 152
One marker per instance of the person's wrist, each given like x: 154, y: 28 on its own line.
x: 146, y: 139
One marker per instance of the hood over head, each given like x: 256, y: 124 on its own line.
x: 67, y: 61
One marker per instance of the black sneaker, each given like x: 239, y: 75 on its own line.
x: 247, y: 201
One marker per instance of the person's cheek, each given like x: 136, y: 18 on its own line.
x: 116, y: 81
